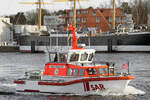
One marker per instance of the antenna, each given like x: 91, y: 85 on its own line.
x: 40, y: 10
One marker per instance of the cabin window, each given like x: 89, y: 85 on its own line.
x: 84, y: 56
x: 56, y: 66
x: 53, y: 57
x: 81, y: 73
x: 111, y: 70
x: 91, y: 71
x: 75, y: 72
x: 63, y: 58
x: 102, y: 71
x: 90, y: 57
x: 74, y: 57
x: 69, y: 73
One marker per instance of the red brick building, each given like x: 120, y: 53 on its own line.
x: 100, y: 19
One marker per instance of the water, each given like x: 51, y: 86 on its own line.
x: 13, y: 66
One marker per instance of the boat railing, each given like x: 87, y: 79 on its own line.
x: 33, y: 75
x: 123, y: 74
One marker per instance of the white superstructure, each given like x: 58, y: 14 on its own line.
x: 6, y: 35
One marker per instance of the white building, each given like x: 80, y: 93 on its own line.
x: 6, y: 35
x: 148, y: 19
x: 52, y: 22
x: 28, y: 29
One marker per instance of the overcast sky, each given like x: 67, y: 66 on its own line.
x: 12, y: 6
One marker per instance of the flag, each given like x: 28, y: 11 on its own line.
x: 125, y: 66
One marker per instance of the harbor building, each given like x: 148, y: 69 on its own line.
x: 148, y: 20
x: 100, y: 18
x: 6, y: 34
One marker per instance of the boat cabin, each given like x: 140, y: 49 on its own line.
x: 77, y: 57
x: 59, y: 69
x: 76, y: 63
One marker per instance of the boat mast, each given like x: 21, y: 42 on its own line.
x: 40, y: 14
x: 114, y: 14
x: 40, y: 11
x: 74, y: 15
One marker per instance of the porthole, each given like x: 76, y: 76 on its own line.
x: 56, y: 71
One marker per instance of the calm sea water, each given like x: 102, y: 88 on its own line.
x: 13, y: 66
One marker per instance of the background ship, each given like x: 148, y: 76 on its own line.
x: 133, y: 42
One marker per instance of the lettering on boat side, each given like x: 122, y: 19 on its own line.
x: 97, y: 87
x: 92, y: 87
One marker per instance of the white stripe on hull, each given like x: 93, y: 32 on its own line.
x: 78, y: 88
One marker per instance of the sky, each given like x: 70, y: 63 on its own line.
x: 9, y: 7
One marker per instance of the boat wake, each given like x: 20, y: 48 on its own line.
x: 130, y: 90
x: 7, y: 88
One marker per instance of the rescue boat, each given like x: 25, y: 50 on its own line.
x: 73, y: 72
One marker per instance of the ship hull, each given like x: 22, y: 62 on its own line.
x: 136, y: 42
x: 74, y: 87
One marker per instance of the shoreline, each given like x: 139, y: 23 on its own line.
x: 9, y: 48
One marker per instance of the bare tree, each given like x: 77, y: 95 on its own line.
x: 140, y: 12
x: 32, y: 17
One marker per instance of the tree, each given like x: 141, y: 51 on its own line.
x: 32, y: 16
x: 126, y: 8
x: 19, y: 18
x: 140, y: 12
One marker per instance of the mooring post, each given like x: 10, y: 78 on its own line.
x: 109, y: 45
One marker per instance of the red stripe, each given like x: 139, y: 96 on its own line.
x: 85, y: 89
x: 28, y: 90
x: 87, y: 86
x: 87, y: 80
x: 29, y: 51
x: 25, y: 51
x: 19, y: 82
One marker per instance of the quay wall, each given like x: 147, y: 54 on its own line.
x: 9, y: 48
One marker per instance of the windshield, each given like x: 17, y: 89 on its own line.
x: 90, y: 57
x: 84, y: 57
x: 74, y: 57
